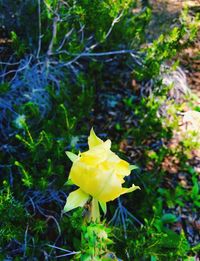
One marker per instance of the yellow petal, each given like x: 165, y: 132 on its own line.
x: 128, y: 190
x: 123, y: 168
x: 77, y: 198
x: 110, y: 187
x: 114, y: 191
x: 93, y: 140
x: 97, y: 154
x: 90, y: 178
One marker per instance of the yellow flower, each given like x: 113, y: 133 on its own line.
x: 98, y: 173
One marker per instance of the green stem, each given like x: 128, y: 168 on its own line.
x: 95, y: 213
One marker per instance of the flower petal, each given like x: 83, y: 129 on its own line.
x: 97, y: 154
x: 77, y: 198
x: 110, y: 187
x: 123, y: 168
x: 128, y: 190
x: 93, y: 140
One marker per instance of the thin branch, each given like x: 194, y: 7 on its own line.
x: 54, y: 33
x: 67, y: 35
x: 25, y: 241
x: 17, y: 70
x: 72, y: 253
x: 116, y: 20
x: 59, y: 248
x: 86, y: 54
x: 56, y: 222
x: 39, y: 29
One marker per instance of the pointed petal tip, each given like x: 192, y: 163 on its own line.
x: 131, y: 189
x: 92, y: 131
x: 93, y: 140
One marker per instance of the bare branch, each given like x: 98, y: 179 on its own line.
x: 39, y: 29
x: 116, y: 20
x: 17, y: 70
x: 86, y: 54
x: 67, y: 35
x: 55, y: 20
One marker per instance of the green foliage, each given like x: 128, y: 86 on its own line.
x: 146, y: 114
x: 36, y: 163
x: 167, y: 46
x: 45, y: 148
x: 84, y: 17
x: 4, y: 87
x: 181, y: 195
x: 94, y: 242
x: 160, y: 245
x: 91, y: 240
x: 154, y: 241
x: 13, y: 216
x: 18, y: 45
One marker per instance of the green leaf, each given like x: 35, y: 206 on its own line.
x: 77, y: 198
x: 132, y: 167
x: 103, y: 206
x: 71, y: 156
x: 196, y: 248
x: 69, y: 183
x: 195, y: 188
x: 169, y: 218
